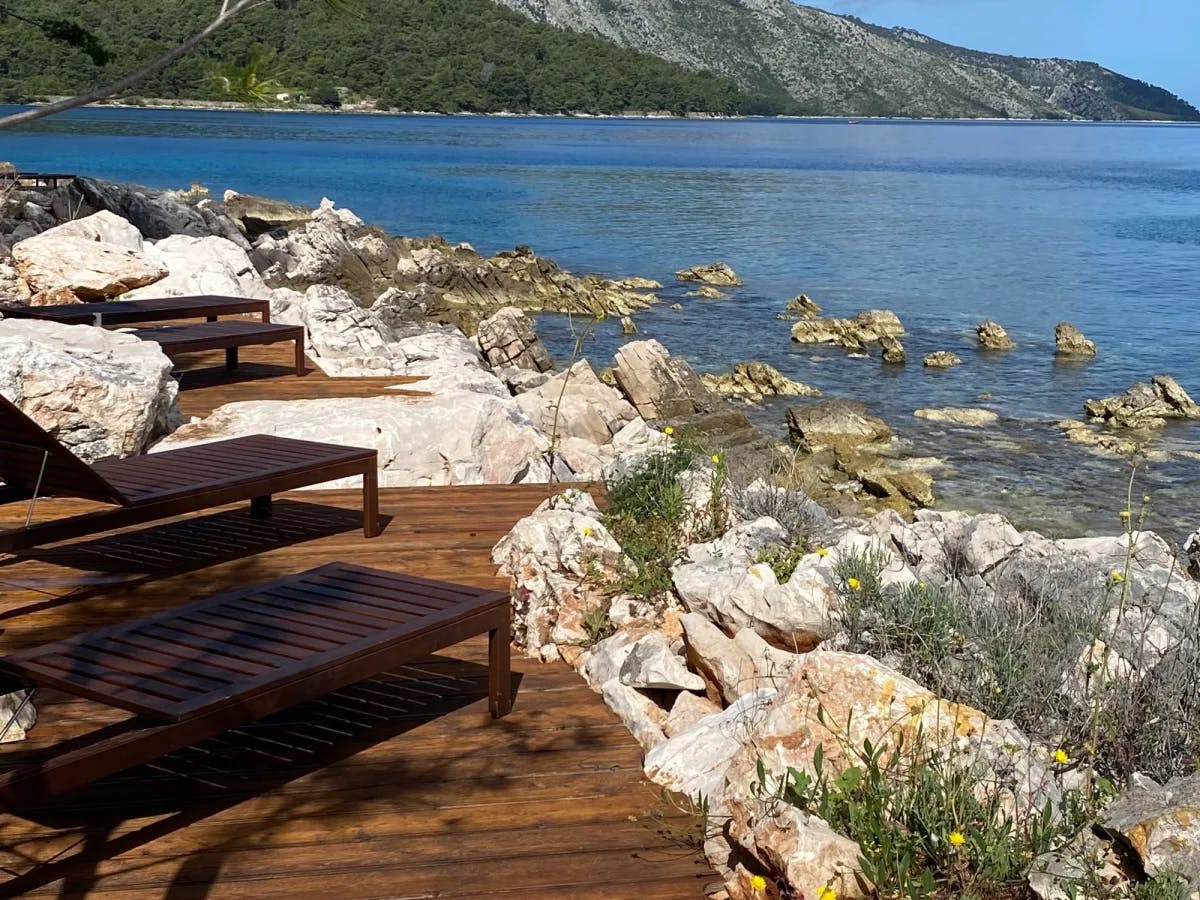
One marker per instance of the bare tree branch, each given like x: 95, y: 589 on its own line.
x: 230, y: 10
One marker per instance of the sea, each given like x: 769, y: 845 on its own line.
x: 947, y: 223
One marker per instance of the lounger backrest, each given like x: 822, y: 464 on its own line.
x: 30, y: 458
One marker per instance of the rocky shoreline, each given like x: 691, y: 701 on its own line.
x: 770, y: 624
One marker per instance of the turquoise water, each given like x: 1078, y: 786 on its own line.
x: 945, y: 223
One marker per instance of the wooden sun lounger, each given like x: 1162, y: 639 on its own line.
x: 220, y: 663
x: 161, y: 485
x: 131, y: 312
x: 226, y: 335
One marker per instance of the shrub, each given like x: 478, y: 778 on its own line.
x: 650, y: 516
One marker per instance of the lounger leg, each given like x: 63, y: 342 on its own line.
x: 301, y: 363
x: 210, y: 318
x: 370, y: 502
x: 499, y: 671
x: 231, y: 358
x: 260, y: 507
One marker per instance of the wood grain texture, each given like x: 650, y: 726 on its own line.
x: 402, y: 786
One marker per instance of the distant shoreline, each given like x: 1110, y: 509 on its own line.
x: 312, y: 108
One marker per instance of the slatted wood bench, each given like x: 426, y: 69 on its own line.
x: 130, y: 312
x: 227, y: 335
x: 193, y: 672
x: 161, y: 485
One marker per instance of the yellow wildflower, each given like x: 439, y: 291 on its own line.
x: 822, y: 552
x: 957, y: 838
x: 668, y: 431
x: 853, y: 583
x: 588, y: 532
x: 1061, y: 756
x: 758, y: 883
x: 826, y: 893
x: 1116, y: 576
x: 1124, y: 515
x: 716, y: 459
x: 921, y: 585
x: 1145, y: 498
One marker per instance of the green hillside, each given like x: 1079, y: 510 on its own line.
x: 436, y: 55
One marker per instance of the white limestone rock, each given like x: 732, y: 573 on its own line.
x: 102, y: 394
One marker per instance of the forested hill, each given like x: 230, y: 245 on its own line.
x: 436, y: 55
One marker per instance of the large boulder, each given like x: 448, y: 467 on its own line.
x: 840, y: 424
x: 156, y: 214
x: 102, y: 394
x: 717, y: 273
x: 508, y: 338
x: 868, y: 327
x: 443, y: 439
x: 88, y: 259
x: 1145, y: 405
x: 577, y: 404
x: 559, y: 558
x: 658, y: 386
x: 199, y: 266
x: 735, y: 592
x: 755, y: 382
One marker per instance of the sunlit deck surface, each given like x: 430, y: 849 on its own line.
x: 402, y: 787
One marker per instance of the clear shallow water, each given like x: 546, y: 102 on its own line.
x: 945, y: 223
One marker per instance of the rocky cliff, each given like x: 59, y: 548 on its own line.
x: 825, y: 64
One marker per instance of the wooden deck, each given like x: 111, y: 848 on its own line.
x: 400, y: 788
x: 403, y: 787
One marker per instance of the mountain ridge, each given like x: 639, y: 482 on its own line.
x: 822, y: 63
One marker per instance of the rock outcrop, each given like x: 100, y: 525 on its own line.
x: 450, y: 438
x: 754, y: 382
x: 868, y: 327
x: 838, y: 424
x: 1145, y: 405
x: 1070, y: 341
x: 508, y: 338
x: 992, y: 336
x: 716, y: 273
x: 942, y: 359
x: 102, y: 394
x: 1161, y: 825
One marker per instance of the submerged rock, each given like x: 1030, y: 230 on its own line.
x: 755, y: 382
x: 942, y: 359
x: 1145, y: 405
x: 868, y: 327
x: 628, y: 326
x: 1101, y: 439
x: 974, y: 418
x: 714, y: 273
x: 707, y: 292
x: 1070, y: 341
x: 992, y: 336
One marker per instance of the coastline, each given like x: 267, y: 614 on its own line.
x: 364, y: 110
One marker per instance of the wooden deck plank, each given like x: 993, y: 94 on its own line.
x: 406, y: 790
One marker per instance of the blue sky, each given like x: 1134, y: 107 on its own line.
x: 1155, y: 40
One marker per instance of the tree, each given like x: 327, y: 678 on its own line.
x: 77, y: 36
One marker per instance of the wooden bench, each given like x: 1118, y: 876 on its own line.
x: 130, y: 312
x: 226, y: 335
x: 193, y: 672
x: 161, y: 485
